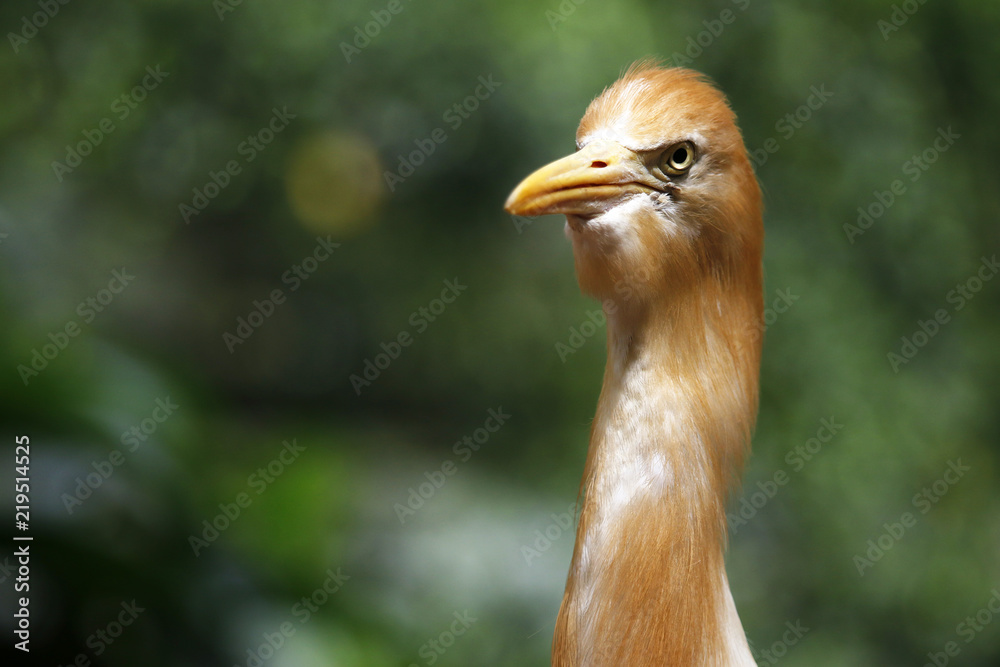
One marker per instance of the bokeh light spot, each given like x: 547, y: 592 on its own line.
x: 334, y: 183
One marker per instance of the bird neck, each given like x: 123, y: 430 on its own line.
x: 648, y: 582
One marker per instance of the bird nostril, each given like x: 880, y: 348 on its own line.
x: 598, y: 164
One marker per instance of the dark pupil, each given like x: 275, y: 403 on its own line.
x: 680, y: 156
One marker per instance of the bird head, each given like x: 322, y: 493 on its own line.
x: 660, y: 191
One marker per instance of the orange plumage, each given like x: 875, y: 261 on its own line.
x: 664, y: 214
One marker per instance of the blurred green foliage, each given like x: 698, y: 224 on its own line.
x: 361, y: 108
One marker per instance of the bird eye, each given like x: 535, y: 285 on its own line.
x: 679, y: 158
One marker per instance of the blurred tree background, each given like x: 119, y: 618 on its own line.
x: 214, y: 214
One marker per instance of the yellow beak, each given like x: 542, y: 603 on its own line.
x: 581, y: 183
